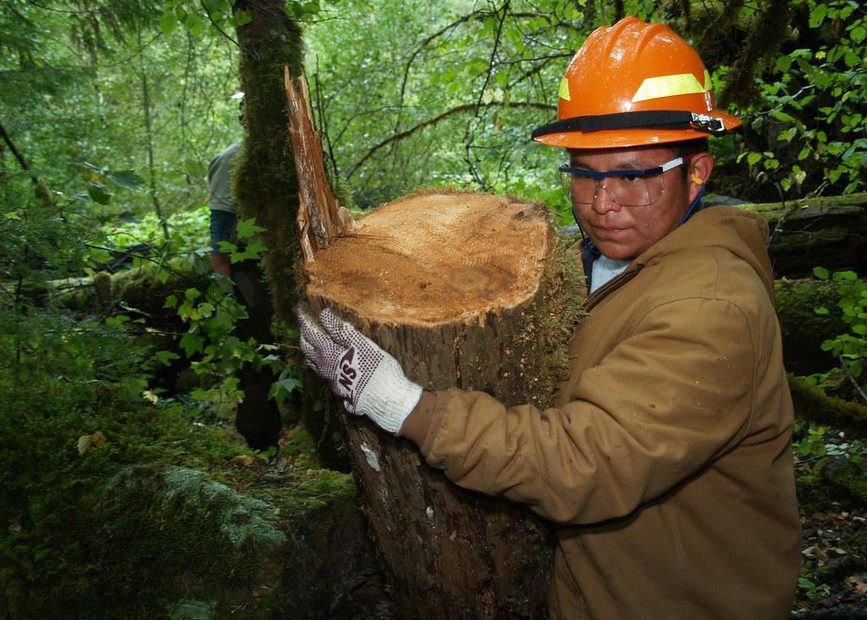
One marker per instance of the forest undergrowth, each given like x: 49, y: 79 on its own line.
x: 80, y: 410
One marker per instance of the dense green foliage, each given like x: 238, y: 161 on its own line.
x: 849, y: 347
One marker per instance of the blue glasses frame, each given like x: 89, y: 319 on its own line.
x: 647, y: 172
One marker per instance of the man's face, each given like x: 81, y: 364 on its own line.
x: 624, y: 232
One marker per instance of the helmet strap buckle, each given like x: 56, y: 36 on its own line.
x: 710, y: 124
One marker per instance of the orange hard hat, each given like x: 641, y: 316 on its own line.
x: 634, y: 84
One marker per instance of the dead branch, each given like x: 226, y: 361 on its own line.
x: 319, y: 217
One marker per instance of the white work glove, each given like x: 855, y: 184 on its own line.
x: 369, y: 380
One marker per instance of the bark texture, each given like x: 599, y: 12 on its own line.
x: 266, y: 183
x: 830, y: 231
x: 466, y: 290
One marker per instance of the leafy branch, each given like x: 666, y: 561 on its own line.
x: 466, y: 107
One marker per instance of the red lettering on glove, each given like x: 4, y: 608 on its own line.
x: 347, y: 372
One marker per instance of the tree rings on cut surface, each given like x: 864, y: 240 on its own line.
x: 436, y: 257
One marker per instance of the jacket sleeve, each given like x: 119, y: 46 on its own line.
x: 672, y: 396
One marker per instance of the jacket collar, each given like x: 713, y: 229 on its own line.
x: 740, y: 232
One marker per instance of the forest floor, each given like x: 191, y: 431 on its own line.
x: 829, y: 548
x: 833, y: 584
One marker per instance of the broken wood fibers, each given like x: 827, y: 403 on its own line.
x: 466, y: 290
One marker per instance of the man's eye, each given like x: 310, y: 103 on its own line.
x: 631, y: 178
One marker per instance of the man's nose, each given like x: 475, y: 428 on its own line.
x: 603, y: 201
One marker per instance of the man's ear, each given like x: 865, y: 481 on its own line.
x: 700, y: 167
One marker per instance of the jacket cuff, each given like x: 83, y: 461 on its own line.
x: 423, y: 421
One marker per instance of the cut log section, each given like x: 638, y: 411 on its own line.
x: 472, y: 291
x: 434, y: 258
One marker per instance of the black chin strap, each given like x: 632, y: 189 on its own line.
x: 652, y: 119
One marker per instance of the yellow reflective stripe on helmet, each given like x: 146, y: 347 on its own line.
x: 670, y: 85
x: 564, y: 90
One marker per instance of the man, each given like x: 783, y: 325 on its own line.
x: 666, y: 464
x: 257, y: 417
x: 224, y: 207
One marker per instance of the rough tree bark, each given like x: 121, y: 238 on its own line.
x: 467, y: 290
x: 266, y: 183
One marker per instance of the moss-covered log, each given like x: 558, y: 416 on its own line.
x: 827, y: 231
x: 804, y: 330
x: 174, y: 540
x: 812, y: 404
x: 114, y: 507
x: 140, y: 291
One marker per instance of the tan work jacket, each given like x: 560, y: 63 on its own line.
x: 666, y: 464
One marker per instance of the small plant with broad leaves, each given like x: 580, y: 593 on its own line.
x: 849, y: 347
x: 812, y: 107
x: 211, y: 342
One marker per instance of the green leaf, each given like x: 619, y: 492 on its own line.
x: 116, y: 321
x: 753, y: 158
x: 252, y: 251
x: 289, y: 384
x: 787, y: 135
x: 783, y: 64
x: 247, y: 227
x: 98, y: 193
x: 206, y: 309
x: 240, y: 18
x: 195, y: 24
x: 126, y: 178
x: 168, y: 22
x: 165, y: 357
x: 227, y: 247
x: 817, y: 15
x: 806, y: 584
x: 191, y: 343
x: 845, y: 276
x: 821, y: 272
x: 782, y: 116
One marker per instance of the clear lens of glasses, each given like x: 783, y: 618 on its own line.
x: 625, y: 191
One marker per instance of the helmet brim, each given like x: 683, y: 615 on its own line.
x: 611, y: 139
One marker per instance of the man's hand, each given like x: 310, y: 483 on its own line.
x: 369, y: 380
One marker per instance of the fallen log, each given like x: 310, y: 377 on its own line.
x: 811, y: 403
x: 827, y: 231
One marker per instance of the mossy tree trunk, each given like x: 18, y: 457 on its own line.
x: 267, y: 188
x: 266, y: 185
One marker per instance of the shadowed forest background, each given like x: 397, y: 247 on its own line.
x: 125, y: 488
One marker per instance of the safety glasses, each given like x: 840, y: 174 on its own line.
x: 628, y: 188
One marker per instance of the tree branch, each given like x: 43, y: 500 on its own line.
x: 851, y: 378
x: 468, y: 135
x: 424, y: 43
x: 467, y: 107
